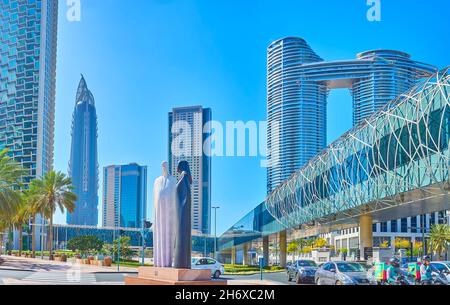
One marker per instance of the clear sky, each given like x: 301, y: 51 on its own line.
x: 140, y: 58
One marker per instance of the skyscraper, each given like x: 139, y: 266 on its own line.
x: 186, y: 142
x: 298, y: 83
x: 124, y: 195
x: 28, y: 33
x: 83, y: 166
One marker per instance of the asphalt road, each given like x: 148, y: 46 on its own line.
x: 279, y: 277
x: 41, y: 272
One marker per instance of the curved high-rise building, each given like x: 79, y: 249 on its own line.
x: 83, y: 166
x: 298, y: 82
x: 296, y: 109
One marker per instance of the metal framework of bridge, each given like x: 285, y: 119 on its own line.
x: 394, y: 164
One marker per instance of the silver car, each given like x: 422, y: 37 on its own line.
x: 342, y: 273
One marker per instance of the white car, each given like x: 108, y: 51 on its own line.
x: 216, y: 268
x: 443, y: 267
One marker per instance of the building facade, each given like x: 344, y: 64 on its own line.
x: 385, y: 234
x: 28, y: 32
x: 298, y: 83
x: 186, y: 142
x: 124, y: 195
x: 28, y: 35
x: 83, y: 166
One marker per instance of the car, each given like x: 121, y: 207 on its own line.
x: 442, y: 267
x: 200, y: 263
x: 342, y: 273
x: 303, y: 271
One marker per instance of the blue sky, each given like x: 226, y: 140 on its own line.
x: 140, y: 58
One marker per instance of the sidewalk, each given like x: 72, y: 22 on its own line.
x: 37, y: 264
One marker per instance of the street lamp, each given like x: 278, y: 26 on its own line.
x: 42, y: 237
x: 146, y: 225
x: 215, y: 230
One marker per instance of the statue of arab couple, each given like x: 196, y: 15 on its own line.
x: 172, y: 218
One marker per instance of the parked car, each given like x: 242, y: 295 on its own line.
x: 303, y: 271
x: 442, y: 267
x: 342, y: 273
x: 216, y: 268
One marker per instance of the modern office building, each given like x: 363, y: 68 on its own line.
x: 298, y: 83
x: 124, y: 195
x: 28, y: 31
x: 186, y: 142
x: 83, y: 166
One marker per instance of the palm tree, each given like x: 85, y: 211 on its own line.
x: 29, y: 198
x: 440, y: 238
x: 3, y: 227
x: 22, y: 215
x: 11, y: 174
x: 50, y: 192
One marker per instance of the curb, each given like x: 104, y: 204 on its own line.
x: 20, y: 270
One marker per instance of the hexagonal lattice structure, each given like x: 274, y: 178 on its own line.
x: 398, y: 156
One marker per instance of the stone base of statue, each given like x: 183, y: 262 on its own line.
x: 173, y: 277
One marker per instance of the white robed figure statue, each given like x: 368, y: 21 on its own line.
x: 164, y: 198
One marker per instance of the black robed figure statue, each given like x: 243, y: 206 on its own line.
x: 183, y: 238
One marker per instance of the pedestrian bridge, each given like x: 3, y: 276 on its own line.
x: 394, y: 164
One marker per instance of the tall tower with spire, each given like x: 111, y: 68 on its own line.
x: 83, y: 166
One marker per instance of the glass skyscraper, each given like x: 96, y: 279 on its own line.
x: 298, y: 83
x: 124, y: 195
x: 187, y: 134
x: 28, y: 33
x: 83, y: 166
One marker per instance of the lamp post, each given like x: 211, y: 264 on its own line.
x: 146, y: 225
x: 118, y: 252
x: 215, y: 230
x: 42, y: 237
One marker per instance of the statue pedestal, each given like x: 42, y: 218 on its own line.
x: 172, y: 276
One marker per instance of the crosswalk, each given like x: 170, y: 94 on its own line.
x: 61, y: 278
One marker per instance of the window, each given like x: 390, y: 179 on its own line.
x: 432, y: 219
x: 414, y: 224
x: 404, y: 225
x: 394, y: 226
x: 442, y: 217
x: 383, y: 227
x: 328, y: 266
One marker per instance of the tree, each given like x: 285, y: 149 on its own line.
x: 292, y: 248
x: 22, y: 215
x: 440, y: 238
x: 50, y: 192
x: 307, y: 250
x: 320, y: 243
x: 11, y: 174
x: 125, y: 249
x: 85, y: 245
x: 3, y: 227
x: 384, y: 244
x: 401, y: 243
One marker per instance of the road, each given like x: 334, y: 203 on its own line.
x: 21, y: 271
x: 279, y: 278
